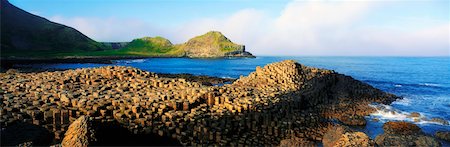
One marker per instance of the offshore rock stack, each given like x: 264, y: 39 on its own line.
x: 279, y: 101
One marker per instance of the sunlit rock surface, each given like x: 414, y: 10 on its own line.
x: 276, y: 102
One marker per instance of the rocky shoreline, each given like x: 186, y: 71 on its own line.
x: 280, y: 103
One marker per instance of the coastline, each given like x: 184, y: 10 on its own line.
x: 279, y: 74
x: 279, y: 84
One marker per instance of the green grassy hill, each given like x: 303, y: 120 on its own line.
x: 152, y: 46
x: 26, y: 35
x: 211, y: 44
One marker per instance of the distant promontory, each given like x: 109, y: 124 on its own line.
x: 213, y: 44
x: 28, y: 36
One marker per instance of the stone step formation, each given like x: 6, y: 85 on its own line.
x: 278, y: 101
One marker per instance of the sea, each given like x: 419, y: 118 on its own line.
x: 423, y: 82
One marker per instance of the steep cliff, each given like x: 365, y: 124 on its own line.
x: 25, y: 34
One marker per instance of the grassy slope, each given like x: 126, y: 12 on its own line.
x: 27, y: 35
x: 161, y: 47
x: 215, y: 38
x: 147, y: 46
x: 156, y: 46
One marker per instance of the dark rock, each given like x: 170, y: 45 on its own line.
x: 25, y: 134
x: 414, y: 114
x: 439, y: 120
x: 444, y: 135
x: 354, y: 120
x: 401, y: 128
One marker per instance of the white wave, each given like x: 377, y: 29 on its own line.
x: 404, y: 101
x: 226, y: 77
x: 430, y: 84
x: 398, y: 85
x: 388, y: 113
x: 137, y: 61
x: 131, y: 61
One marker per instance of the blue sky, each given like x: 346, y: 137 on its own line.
x: 267, y: 27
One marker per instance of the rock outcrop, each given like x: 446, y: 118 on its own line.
x: 80, y: 133
x: 213, y: 44
x: 279, y: 101
x: 24, y: 35
x: 341, y: 136
x: 295, y: 141
x: 444, y: 135
x: 404, y: 134
x: 352, y: 120
x: 210, y: 45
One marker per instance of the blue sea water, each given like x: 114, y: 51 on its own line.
x: 424, y: 82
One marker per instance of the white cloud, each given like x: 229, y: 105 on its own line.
x: 434, y: 40
x: 242, y: 27
x: 110, y: 29
x: 302, y: 28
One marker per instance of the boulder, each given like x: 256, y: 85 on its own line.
x: 80, y: 133
x: 353, y: 139
x: 343, y: 136
x: 444, y: 135
x: 404, y: 134
x: 403, y: 128
x: 295, y: 141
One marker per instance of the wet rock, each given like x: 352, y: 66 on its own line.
x: 404, y: 134
x: 439, y: 120
x: 444, y: 135
x: 80, y: 133
x: 427, y: 141
x: 414, y: 114
x: 375, y: 120
x: 354, y: 120
x: 404, y: 128
x: 12, y: 71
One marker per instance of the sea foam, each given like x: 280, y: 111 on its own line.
x: 386, y: 113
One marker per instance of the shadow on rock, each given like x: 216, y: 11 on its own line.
x: 113, y: 134
x: 25, y: 133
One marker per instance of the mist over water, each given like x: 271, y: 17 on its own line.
x: 423, y: 82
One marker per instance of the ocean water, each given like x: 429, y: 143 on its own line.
x: 423, y: 82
